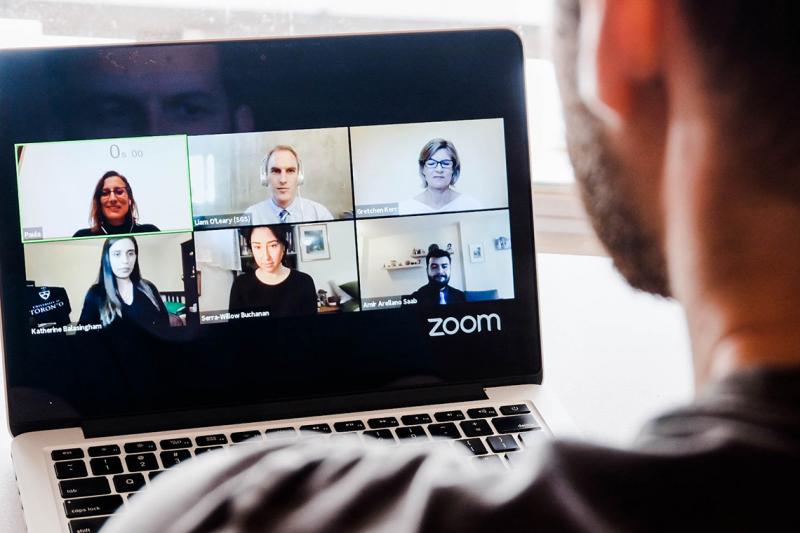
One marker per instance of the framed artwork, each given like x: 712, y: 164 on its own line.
x: 476, y: 253
x: 502, y: 243
x: 314, y: 242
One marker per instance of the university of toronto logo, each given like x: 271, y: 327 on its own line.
x: 44, y: 293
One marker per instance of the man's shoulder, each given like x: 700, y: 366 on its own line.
x: 321, y: 212
x: 257, y: 207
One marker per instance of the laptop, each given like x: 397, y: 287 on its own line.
x: 218, y: 244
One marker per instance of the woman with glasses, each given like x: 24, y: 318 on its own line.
x: 113, y: 210
x: 439, y: 168
x: 121, y: 294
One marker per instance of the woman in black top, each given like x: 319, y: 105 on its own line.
x: 113, y: 210
x: 121, y: 294
x: 273, y: 286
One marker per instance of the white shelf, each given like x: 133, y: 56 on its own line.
x: 403, y: 267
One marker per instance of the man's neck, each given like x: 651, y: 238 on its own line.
x: 280, y: 205
x: 732, y: 253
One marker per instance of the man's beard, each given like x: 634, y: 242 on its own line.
x: 439, y: 284
x: 601, y: 175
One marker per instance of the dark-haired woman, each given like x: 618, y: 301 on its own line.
x: 113, y: 210
x: 121, y: 294
x: 273, y: 286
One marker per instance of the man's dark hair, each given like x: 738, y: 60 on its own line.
x: 435, y: 251
x: 751, y: 49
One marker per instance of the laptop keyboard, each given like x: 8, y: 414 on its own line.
x: 95, y: 481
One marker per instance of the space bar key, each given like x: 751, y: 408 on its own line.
x: 514, y: 424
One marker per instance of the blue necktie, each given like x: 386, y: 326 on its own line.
x: 283, y: 215
x: 442, y: 301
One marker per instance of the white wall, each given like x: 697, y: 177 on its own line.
x: 75, y: 265
x: 228, y: 182
x: 497, y: 269
x: 215, y: 287
x: 341, y: 267
x: 386, y: 160
x: 57, y: 181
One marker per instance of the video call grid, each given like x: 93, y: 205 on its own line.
x: 354, y: 219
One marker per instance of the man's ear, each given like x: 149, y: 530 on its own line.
x: 619, y: 49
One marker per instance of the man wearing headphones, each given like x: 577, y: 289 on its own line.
x: 282, y: 173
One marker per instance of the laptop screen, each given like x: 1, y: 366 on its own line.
x: 211, y: 225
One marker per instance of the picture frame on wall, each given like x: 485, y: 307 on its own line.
x: 476, y: 254
x: 314, y: 242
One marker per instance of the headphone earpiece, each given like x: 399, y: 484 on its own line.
x: 262, y: 172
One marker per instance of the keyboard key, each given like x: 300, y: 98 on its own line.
x: 351, y: 425
x: 411, y: 433
x: 415, y: 420
x: 447, y: 430
x: 318, y: 428
x: 77, y: 488
x: 87, y: 525
x: 71, y: 469
x: 281, y: 433
x: 141, y: 462
x: 384, y: 435
x: 100, y: 451
x: 138, y: 447
x: 531, y: 438
x: 171, y: 458
x: 128, y: 482
x: 502, y: 443
x: 200, y: 451
x: 345, y: 437
x: 474, y: 445
x: 514, y: 424
x: 92, y: 506
x: 174, y: 444
x: 518, y: 409
x: 384, y: 422
x: 66, y: 455
x: 515, y: 458
x: 448, y: 416
x: 476, y: 428
x: 241, y: 436
x: 482, y: 412
x: 152, y: 475
x: 102, y: 466
x: 211, y: 440
x: 488, y: 461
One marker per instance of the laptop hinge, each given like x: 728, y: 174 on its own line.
x: 218, y: 416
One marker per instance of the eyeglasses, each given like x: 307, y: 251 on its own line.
x: 445, y: 163
x: 118, y: 191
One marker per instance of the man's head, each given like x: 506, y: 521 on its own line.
x: 438, y: 264
x: 282, y: 172
x: 148, y: 91
x: 636, y: 74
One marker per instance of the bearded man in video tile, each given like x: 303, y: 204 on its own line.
x: 438, y: 290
